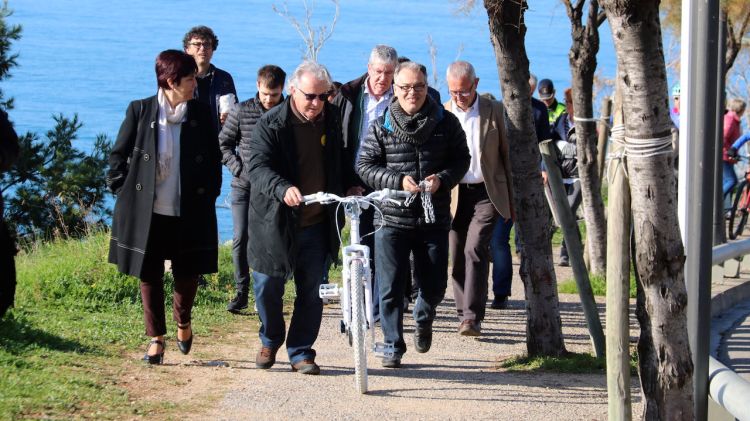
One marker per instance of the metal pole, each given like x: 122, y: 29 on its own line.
x: 702, y: 90
x: 719, y: 222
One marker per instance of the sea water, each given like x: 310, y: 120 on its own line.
x: 93, y: 57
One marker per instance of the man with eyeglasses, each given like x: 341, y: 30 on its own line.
x: 483, y: 198
x: 213, y: 83
x: 419, y: 147
x: 361, y: 101
x: 296, y: 149
x: 234, y: 142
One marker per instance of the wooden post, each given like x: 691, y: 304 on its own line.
x: 575, y: 249
x: 618, y: 284
x: 603, y: 135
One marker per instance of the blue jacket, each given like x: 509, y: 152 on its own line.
x: 221, y: 84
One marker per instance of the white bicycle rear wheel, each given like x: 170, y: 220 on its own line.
x: 358, y: 327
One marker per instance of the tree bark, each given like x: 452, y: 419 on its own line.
x: 582, y: 58
x: 544, y: 327
x: 665, y: 362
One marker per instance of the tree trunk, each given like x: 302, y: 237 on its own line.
x: 582, y: 59
x: 665, y: 362
x: 543, y: 328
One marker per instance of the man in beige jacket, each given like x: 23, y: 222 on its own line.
x: 483, y: 197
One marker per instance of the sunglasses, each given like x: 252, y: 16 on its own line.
x: 311, y: 97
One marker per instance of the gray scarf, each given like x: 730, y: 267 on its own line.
x: 415, y: 128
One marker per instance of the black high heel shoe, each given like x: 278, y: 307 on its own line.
x: 155, y: 359
x: 184, y: 346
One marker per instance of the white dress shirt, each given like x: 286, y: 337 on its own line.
x: 470, y: 123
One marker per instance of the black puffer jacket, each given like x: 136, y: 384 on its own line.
x: 384, y: 160
x: 234, y: 138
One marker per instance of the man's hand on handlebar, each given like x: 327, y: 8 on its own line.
x: 292, y: 197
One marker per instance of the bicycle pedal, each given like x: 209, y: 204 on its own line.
x: 329, y: 291
x: 384, y: 350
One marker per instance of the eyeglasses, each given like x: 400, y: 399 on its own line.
x: 462, y: 94
x: 418, y: 88
x: 206, y: 45
x: 311, y: 97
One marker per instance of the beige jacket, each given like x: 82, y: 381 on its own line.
x: 495, y: 161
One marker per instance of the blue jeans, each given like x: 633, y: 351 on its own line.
x: 392, y: 247
x: 312, y: 252
x: 240, y: 204
x: 502, y: 263
x: 729, y: 178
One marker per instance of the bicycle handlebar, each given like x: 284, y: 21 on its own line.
x: 378, y: 195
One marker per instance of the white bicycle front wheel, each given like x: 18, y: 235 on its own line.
x: 358, y: 327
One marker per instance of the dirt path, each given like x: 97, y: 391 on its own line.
x: 457, y: 379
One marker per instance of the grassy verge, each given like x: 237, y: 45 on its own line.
x: 598, y: 285
x: 76, y: 320
x: 571, y: 363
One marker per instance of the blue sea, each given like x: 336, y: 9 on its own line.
x: 93, y: 57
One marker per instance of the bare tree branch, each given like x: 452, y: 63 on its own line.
x: 312, y: 38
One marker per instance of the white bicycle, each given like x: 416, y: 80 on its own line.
x: 355, y: 293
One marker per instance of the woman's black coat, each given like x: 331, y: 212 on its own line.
x: 132, y: 175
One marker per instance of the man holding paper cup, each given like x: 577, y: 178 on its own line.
x: 215, y: 86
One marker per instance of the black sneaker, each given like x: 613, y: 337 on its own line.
x: 499, y: 302
x: 423, y: 338
x: 392, y: 362
x: 564, y: 261
x: 238, y: 303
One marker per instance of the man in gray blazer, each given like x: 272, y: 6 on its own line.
x: 483, y: 195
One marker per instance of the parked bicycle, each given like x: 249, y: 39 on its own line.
x: 355, y: 292
x: 737, y: 216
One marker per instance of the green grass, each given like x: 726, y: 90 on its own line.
x: 570, y: 363
x: 598, y: 285
x: 63, y: 348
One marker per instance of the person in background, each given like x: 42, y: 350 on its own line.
x: 732, y: 130
x: 165, y: 169
x: 547, y: 95
x: 674, y: 112
x: 564, y: 136
x: 296, y: 150
x: 9, y: 150
x: 483, y: 199
x: 213, y: 83
x: 361, y: 101
x: 234, y: 141
x: 415, y: 141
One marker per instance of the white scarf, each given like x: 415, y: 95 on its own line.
x: 167, y: 116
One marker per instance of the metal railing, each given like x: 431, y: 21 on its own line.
x: 727, y: 388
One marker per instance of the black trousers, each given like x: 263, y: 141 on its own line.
x: 7, y: 268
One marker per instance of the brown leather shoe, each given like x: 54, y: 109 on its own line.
x: 469, y: 328
x: 306, y: 366
x: 266, y: 357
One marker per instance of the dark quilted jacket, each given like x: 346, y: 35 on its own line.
x: 384, y: 160
x: 234, y: 138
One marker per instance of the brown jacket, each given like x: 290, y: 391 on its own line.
x: 495, y: 162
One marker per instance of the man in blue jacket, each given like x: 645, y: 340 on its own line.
x: 213, y: 83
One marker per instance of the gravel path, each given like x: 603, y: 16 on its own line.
x: 457, y: 379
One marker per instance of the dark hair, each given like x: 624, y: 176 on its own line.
x: 173, y: 64
x: 271, y: 76
x: 202, y: 32
x: 404, y: 59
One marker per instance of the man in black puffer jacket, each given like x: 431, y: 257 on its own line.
x: 415, y: 141
x: 9, y: 150
x: 234, y: 141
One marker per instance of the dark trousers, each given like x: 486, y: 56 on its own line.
x: 469, y: 241
x: 161, y: 243
x: 240, y: 208
x: 575, y: 197
x: 392, y: 247
x: 7, y: 267
x: 310, y: 263
x: 366, y: 233
x: 502, y: 262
